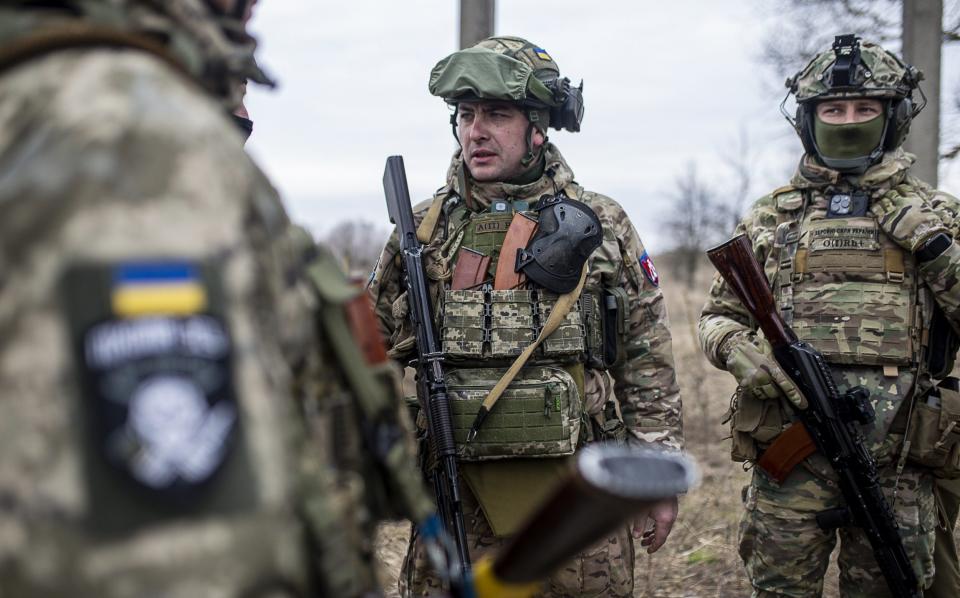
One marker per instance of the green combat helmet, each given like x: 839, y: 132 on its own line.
x: 514, y: 70
x: 851, y: 69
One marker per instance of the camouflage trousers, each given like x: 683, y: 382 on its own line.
x: 946, y: 579
x: 603, y: 570
x: 786, y: 553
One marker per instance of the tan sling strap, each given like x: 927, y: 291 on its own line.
x: 429, y: 222
x: 78, y: 35
x: 521, y: 230
x: 560, y: 309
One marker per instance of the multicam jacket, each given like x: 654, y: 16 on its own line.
x: 845, y: 287
x: 645, y: 383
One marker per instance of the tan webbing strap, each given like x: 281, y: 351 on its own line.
x: 564, y: 304
x: 78, y: 35
x: 893, y: 264
x: 521, y: 230
x: 800, y: 264
x: 787, y: 451
x: 429, y: 222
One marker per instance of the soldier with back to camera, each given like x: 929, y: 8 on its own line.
x: 172, y: 349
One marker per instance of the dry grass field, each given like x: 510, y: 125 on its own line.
x: 700, y: 558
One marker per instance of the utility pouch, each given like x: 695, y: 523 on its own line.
x: 934, y: 434
x: 539, y: 415
x: 751, y: 421
x: 606, y: 320
x: 943, y: 345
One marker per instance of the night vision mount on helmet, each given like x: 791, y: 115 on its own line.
x: 852, y: 70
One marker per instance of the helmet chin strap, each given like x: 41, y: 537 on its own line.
x: 532, y: 155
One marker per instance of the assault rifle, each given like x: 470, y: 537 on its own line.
x: 431, y: 384
x: 832, y: 420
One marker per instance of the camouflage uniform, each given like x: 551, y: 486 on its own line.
x: 849, y: 287
x: 152, y: 326
x: 644, y: 385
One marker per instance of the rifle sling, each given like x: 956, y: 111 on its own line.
x: 792, y: 446
x: 429, y: 222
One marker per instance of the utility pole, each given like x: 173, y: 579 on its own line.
x: 922, y: 41
x: 476, y: 21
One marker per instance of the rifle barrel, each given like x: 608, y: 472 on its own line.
x: 608, y: 485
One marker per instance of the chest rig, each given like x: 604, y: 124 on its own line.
x: 483, y: 330
x: 481, y: 325
x: 845, y: 286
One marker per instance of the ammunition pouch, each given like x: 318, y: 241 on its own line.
x: 752, y: 421
x: 539, y: 415
x: 943, y: 344
x: 478, y: 326
x: 606, y: 317
x: 934, y: 432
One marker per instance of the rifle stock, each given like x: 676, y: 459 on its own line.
x: 832, y: 420
x: 431, y: 384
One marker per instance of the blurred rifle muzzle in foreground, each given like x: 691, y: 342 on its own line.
x: 608, y: 485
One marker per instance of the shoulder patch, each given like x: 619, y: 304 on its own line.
x: 154, y: 359
x: 646, y: 264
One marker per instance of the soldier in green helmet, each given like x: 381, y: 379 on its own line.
x: 514, y: 247
x: 863, y: 263
x: 181, y: 394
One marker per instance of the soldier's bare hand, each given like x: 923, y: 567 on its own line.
x: 660, y: 522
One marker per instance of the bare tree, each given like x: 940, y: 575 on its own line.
x: 357, y: 243
x: 695, y: 221
x: 741, y: 162
x: 809, y: 26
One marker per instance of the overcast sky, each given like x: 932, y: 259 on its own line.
x: 665, y: 84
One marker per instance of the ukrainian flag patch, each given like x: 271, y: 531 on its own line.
x: 542, y: 54
x: 157, y: 288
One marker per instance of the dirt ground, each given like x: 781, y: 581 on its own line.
x: 700, y: 558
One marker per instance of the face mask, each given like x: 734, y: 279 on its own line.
x: 245, y: 125
x: 847, y: 141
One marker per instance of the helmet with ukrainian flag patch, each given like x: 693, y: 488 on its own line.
x: 515, y: 70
